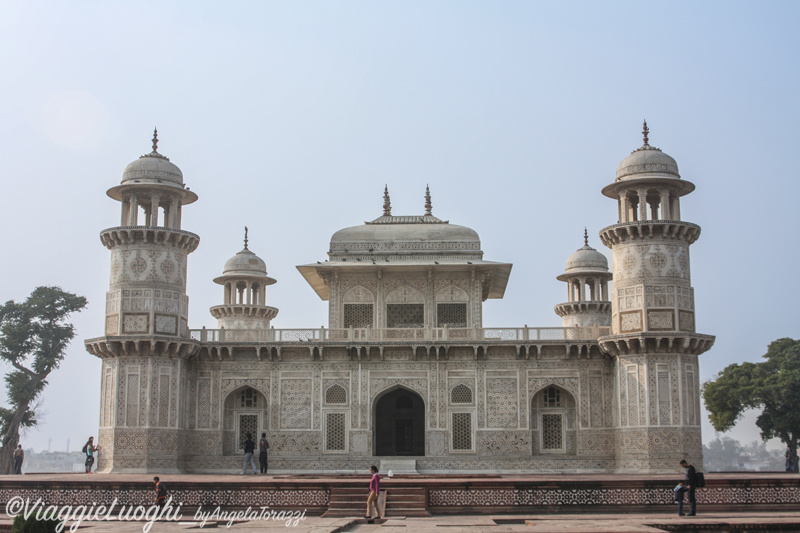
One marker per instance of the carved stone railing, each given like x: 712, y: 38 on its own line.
x: 384, y: 335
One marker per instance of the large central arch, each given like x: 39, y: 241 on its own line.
x: 399, y: 423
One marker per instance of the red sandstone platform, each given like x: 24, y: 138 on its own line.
x: 547, y: 502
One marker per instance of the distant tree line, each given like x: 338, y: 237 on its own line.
x: 727, y: 454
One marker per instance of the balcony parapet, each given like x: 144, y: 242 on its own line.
x: 669, y: 229
x: 152, y: 345
x: 363, y: 336
x: 122, y: 235
x: 254, y: 311
x: 571, y: 308
x: 661, y: 342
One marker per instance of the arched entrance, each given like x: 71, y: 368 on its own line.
x: 245, y: 411
x: 399, y: 423
x: 553, y: 421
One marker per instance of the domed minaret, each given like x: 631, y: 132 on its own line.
x: 245, y: 280
x: 653, y: 338
x: 146, y: 340
x: 587, y: 279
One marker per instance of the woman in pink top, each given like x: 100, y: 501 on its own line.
x: 374, y: 490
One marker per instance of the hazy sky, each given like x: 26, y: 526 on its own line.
x: 290, y: 117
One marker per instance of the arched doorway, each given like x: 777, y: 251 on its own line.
x: 399, y: 427
x: 245, y: 411
x: 553, y: 421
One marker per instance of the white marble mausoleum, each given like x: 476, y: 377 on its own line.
x: 406, y: 372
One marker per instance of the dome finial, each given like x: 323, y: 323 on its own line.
x: 387, y: 204
x: 245, y: 237
x: 428, y: 205
x: 585, y: 237
x: 155, y: 153
x: 645, y: 131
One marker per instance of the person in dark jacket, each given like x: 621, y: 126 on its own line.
x: 263, y: 446
x: 249, y: 448
x: 690, y: 483
x: 19, y: 457
x: 161, y: 492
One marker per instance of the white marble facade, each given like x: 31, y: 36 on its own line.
x: 406, y: 368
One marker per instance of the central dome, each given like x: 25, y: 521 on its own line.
x: 405, y: 235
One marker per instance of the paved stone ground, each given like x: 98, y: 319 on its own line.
x: 585, y: 523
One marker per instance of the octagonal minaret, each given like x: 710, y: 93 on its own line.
x: 653, y: 339
x: 146, y: 340
x: 587, y: 278
x: 245, y: 280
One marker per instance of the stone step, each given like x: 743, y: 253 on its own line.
x: 407, y: 501
x: 398, y: 466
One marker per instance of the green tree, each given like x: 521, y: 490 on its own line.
x: 33, y: 340
x: 773, y: 386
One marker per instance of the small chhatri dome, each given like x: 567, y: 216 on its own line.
x: 244, y: 264
x: 587, y: 258
x: 647, y: 160
x: 153, y: 168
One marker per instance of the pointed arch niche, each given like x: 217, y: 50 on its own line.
x: 358, y: 308
x: 451, y: 307
x: 398, y: 421
x: 244, y: 411
x: 405, y: 308
x: 553, y: 421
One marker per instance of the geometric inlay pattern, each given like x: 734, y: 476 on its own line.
x: 631, y: 321
x: 451, y: 315
x: 335, y: 394
x: 135, y: 324
x: 461, y: 394
x: 660, y: 320
x: 501, y: 403
x: 334, y: 432
x: 405, y: 315
x: 552, y: 432
x: 686, y: 319
x: 357, y: 316
x: 462, y: 431
x: 166, y: 324
x: 296, y: 403
x: 248, y: 425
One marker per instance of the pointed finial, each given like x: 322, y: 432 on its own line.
x: 387, y: 204
x: 245, y: 237
x: 645, y: 131
x: 585, y: 237
x: 155, y: 140
x: 428, y: 205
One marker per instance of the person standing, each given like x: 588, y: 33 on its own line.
x: 374, y: 490
x: 161, y: 492
x: 690, y: 483
x: 89, y: 449
x: 263, y: 446
x: 19, y: 457
x: 249, y: 448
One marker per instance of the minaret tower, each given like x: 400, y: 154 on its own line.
x: 146, y: 340
x: 653, y: 340
x: 245, y: 280
x: 587, y: 278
